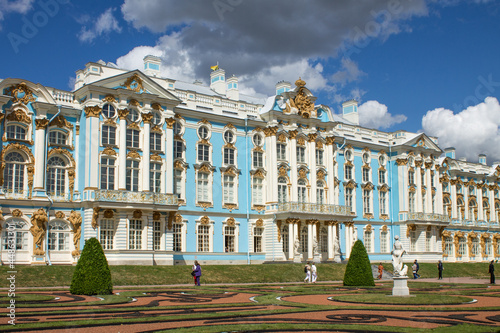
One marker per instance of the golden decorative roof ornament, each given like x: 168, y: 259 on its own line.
x: 300, y: 82
x: 20, y: 88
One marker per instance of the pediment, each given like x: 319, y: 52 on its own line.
x: 424, y: 142
x: 23, y: 91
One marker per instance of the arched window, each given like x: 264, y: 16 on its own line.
x: 486, y: 210
x: 460, y: 209
x: 447, y: 206
x: 58, y: 236
x: 15, y: 231
x: 16, y: 132
x: 302, y: 194
x: 282, y: 190
x: 56, y: 176
x: 472, y: 210
x: 14, y: 172
x: 411, y: 202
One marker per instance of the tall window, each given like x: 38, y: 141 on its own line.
x: 304, y: 241
x: 411, y: 177
x: 15, y: 132
x: 132, y: 138
x: 107, y: 173
x: 282, y: 190
x: 475, y: 247
x: 14, y: 172
x: 462, y: 247
x: 108, y: 135
x: 446, y: 206
x: 383, y: 241
x: 229, y: 232
x: 155, y: 141
x: 366, y: 201
x: 229, y: 189
x: 178, y: 182
x: 203, y: 153
x: 367, y: 240
x: 178, y: 149
x: 177, y: 237
x: 155, y: 177
x: 323, y: 240
x: 472, y: 210
x: 58, y: 138
x: 460, y: 209
x: 301, y: 154
x: 257, y: 191
x: 202, y: 191
x: 302, y: 190
x: 486, y: 210
x: 284, y: 239
x: 56, y: 176
x: 106, y: 233
x: 428, y: 240
x: 257, y: 239
x: 319, y: 157
x: 411, y: 202
x: 229, y: 156
x: 366, y: 175
x: 448, y: 246
x: 203, y: 238
x: 258, y: 159
x: 487, y: 247
x: 58, y: 236
x: 132, y: 176
x: 281, y: 151
x: 156, y: 235
x: 348, y: 172
x: 413, y: 241
x: 382, y: 197
x: 381, y: 176
x: 348, y: 197
x: 320, y: 192
x: 19, y: 236
x: 135, y: 235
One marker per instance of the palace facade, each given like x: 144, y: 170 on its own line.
x: 166, y: 172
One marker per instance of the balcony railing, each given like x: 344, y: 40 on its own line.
x: 425, y: 217
x: 15, y: 194
x: 307, y: 207
x: 135, y: 197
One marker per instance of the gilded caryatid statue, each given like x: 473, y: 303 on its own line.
x: 38, y: 229
x: 76, y: 224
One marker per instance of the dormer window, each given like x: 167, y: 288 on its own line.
x: 133, y: 115
x: 257, y: 140
x: 203, y: 132
x: 16, y: 132
x: 228, y: 136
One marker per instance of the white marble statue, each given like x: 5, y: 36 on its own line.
x: 397, y: 259
x: 296, y: 246
x: 315, y: 246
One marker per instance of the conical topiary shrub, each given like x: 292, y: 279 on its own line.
x: 358, y: 271
x: 92, y: 275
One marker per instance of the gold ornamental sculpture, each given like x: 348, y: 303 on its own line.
x: 38, y: 230
x: 301, y: 102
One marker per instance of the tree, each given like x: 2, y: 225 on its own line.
x: 358, y: 271
x: 92, y: 275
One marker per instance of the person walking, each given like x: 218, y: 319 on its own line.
x: 418, y: 267
x: 193, y: 273
x: 440, y: 270
x: 491, y: 270
x: 307, y: 270
x: 380, y: 271
x: 197, y: 273
x: 314, y: 274
x: 414, y: 270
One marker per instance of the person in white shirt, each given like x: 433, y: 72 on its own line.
x: 307, y: 270
x: 314, y: 274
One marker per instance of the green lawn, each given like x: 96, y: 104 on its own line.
x: 54, y: 276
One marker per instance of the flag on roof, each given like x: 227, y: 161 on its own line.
x: 214, y: 68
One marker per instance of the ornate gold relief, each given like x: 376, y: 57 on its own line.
x: 384, y: 228
x: 320, y: 175
x: 61, y: 122
x: 92, y: 111
x: 39, y: 221
x: 17, y: 213
x: 108, y: 214
x: 109, y: 151
x: 134, y: 83
x: 170, y: 220
x: 134, y: 126
x: 259, y: 223
x: 157, y: 216
x: 20, y: 116
x: 301, y: 141
x: 27, y: 151
x: 123, y: 113
x: 230, y: 206
x: 282, y: 138
x: 155, y: 157
x: 410, y: 228
x: 110, y: 121
x: 95, y: 217
x: 205, y: 169
x: 134, y: 102
x: 259, y: 208
x: 41, y: 123
x: 293, y: 134
x: 302, y: 102
x: 156, y: 106
x: 170, y: 122
x: 231, y: 222
x: 60, y: 215
x: 205, y: 205
x: 21, y: 88
x: 278, y: 225
x: 319, y: 144
x: 109, y: 99
x: 137, y: 214
x: 368, y: 216
x: 147, y: 117
x: 312, y: 137
x: 75, y: 219
x: 368, y: 228
x: 204, y: 220
x: 401, y: 161
x: 302, y: 173
x: 270, y: 131
x: 133, y: 154
x: 282, y: 172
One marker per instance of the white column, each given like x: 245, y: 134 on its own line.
x: 169, y: 151
x: 439, y: 194
x: 466, y: 203
x: 291, y: 239
x: 271, y: 163
x: 428, y: 193
x: 92, y: 149
x: 293, y: 163
x: 330, y: 178
x: 77, y: 157
x: 309, y: 240
x: 454, y: 211
x: 39, y: 176
x: 330, y: 240
x: 480, y: 215
x: 121, y: 234
x: 122, y: 151
x: 311, y: 147
x: 418, y: 198
x: 493, y: 214
x: 146, y: 151
x: 348, y: 239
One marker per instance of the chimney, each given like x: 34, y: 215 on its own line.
x: 232, y: 88
x: 283, y: 86
x: 350, y: 111
x: 152, y: 65
x: 449, y: 152
x: 218, y: 81
x: 482, y: 159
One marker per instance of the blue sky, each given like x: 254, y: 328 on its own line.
x: 416, y: 65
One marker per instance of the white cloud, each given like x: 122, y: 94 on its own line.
x: 105, y: 24
x: 373, y: 114
x: 348, y: 72
x: 17, y: 7
x: 471, y: 131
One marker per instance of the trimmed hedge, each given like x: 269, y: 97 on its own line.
x: 92, y: 275
x: 358, y: 271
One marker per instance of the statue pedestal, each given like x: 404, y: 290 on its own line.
x: 297, y: 258
x: 38, y: 260
x: 317, y: 258
x: 400, y: 286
